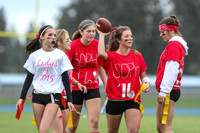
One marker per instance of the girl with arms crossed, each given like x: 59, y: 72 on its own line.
x: 48, y: 71
x: 169, y: 73
x: 125, y: 68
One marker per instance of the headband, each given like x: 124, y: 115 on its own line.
x: 168, y: 27
x: 86, y: 25
x: 114, y: 28
x: 45, y: 29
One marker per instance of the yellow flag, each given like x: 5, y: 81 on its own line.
x: 70, y: 122
x: 166, y: 109
x: 143, y: 85
x: 33, y: 121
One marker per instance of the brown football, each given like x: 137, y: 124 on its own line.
x: 104, y: 25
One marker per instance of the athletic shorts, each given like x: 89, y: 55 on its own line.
x: 44, y: 99
x: 65, y: 98
x: 78, y: 96
x: 175, y: 95
x: 63, y: 108
x: 118, y: 107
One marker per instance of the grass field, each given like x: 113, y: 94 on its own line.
x: 181, y: 124
x: 183, y: 102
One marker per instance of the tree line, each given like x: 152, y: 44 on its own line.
x: 141, y: 16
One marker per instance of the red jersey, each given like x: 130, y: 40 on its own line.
x: 123, y: 82
x: 173, y: 52
x: 84, y: 61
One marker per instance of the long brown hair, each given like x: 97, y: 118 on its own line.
x: 115, y: 36
x: 77, y: 34
x: 35, y: 43
x: 171, y: 20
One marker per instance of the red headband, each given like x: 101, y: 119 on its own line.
x: 168, y: 27
x: 114, y: 28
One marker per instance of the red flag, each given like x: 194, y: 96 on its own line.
x: 61, y: 116
x: 20, y: 109
x: 31, y: 94
x: 63, y: 101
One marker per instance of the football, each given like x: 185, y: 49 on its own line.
x: 103, y: 25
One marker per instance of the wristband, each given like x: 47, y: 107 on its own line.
x: 145, y: 79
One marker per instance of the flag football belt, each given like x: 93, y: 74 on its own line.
x: 141, y: 107
x: 166, y: 109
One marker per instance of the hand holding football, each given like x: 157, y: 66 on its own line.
x: 103, y: 25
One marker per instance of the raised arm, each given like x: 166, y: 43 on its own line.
x: 101, y: 46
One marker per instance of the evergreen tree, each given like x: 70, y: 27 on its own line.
x: 189, y: 14
x: 4, y: 43
x: 141, y: 16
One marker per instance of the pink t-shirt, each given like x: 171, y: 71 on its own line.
x: 123, y: 82
x: 173, y: 52
x: 84, y: 61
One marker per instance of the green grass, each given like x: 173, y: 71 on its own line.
x: 13, y: 101
x: 181, y: 124
x: 183, y: 102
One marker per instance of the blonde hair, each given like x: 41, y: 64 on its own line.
x: 60, y: 36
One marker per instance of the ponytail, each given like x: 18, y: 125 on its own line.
x: 35, y: 43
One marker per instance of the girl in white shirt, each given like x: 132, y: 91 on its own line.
x: 48, y: 71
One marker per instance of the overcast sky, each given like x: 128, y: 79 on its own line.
x: 19, y: 13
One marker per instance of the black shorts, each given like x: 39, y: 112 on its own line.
x: 78, y: 96
x: 175, y: 95
x: 44, y: 99
x: 63, y: 108
x: 65, y: 98
x: 118, y: 107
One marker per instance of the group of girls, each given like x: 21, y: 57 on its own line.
x: 61, y: 69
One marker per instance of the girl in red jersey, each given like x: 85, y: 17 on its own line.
x: 83, y: 56
x: 63, y: 43
x: 124, y: 69
x: 169, y: 73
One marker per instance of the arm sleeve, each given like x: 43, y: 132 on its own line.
x: 65, y: 79
x: 27, y: 84
x: 169, y: 77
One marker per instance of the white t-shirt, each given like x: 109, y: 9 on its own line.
x: 47, y: 68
